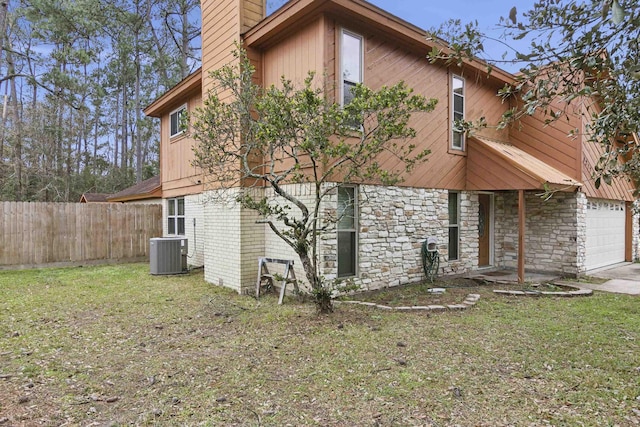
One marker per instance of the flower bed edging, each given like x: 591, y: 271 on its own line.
x: 469, y: 301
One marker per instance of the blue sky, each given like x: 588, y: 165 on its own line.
x: 428, y: 14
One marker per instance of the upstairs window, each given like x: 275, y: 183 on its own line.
x: 176, y: 121
x: 175, y: 216
x: 457, y: 112
x: 351, y: 53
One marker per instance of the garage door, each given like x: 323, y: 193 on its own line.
x: 605, y: 233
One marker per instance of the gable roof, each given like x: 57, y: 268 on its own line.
x: 94, y: 197
x: 147, y: 189
x: 511, y: 169
x: 297, y: 13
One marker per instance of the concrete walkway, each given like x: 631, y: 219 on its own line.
x: 622, y: 279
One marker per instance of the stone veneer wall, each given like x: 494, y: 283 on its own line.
x: 555, y: 232
x: 393, y: 224
x: 581, y: 233
x: 636, y: 231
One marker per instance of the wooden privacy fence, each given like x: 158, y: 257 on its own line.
x: 34, y: 234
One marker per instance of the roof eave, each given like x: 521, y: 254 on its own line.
x: 189, y: 85
x: 298, y: 12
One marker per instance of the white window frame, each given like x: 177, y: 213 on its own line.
x: 457, y: 138
x: 454, y: 247
x: 351, y: 231
x: 176, y: 117
x: 343, y: 79
x: 176, y: 217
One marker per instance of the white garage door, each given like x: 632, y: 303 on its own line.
x: 605, y: 233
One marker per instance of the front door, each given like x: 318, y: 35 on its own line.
x: 484, y: 230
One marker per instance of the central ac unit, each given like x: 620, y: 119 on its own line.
x: 168, y: 255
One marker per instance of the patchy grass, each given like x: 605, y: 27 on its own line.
x: 112, y: 345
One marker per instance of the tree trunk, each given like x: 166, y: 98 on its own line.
x: 17, y: 128
x: 4, y: 5
x: 124, y: 149
x: 138, y: 108
x: 321, y: 294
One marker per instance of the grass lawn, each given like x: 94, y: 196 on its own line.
x: 113, y: 345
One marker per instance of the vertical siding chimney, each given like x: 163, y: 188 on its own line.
x: 223, y: 21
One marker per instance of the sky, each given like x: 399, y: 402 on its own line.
x: 428, y: 14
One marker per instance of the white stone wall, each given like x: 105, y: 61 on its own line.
x: 636, y: 231
x: 581, y: 233
x: 194, y: 229
x: 274, y: 246
x: 233, y: 242
x: 195, y: 234
x: 222, y: 243
x: 553, y: 235
x: 469, y: 240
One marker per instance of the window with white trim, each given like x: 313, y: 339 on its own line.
x: 176, y: 121
x: 454, y: 225
x: 175, y: 216
x: 351, y: 53
x: 457, y: 112
x: 347, y: 231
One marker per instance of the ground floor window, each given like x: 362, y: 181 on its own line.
x: 175, y: 216
x: 454, y: 225
x: 347, y: 231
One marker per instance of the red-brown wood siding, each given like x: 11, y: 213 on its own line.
x: 551, y: 143
x: 482, y: 176
x: 177, y: 174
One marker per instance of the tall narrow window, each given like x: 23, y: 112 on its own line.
x: 347, y: 231
x: 457, y: 112
x: 175, y: 216
x: 454, y: 225
x: 176, y: 121
x: 351, y: 63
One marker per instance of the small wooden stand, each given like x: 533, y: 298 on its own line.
x: 265, y: 276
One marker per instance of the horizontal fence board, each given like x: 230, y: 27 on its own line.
x: 35, y: 233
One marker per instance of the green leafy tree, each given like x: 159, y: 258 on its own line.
x: 578, y: 52
x: 249, y: 137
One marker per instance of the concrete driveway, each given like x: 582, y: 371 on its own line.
x: 622, y: 279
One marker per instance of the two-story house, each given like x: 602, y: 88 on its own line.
x: 479, y: 195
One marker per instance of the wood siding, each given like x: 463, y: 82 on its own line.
x: 253, y: 11
x: 315, y: 47
x: 36, y: 234
x: 621, y: 188
x: 387, y: 63
x: 550, y: 142
x: 220, y: 30
x: 294, y: 57
x: 178, y: 176
x: 482, y: 177
x: 563, y: 145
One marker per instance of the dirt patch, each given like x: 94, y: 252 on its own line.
x: 451, y: 292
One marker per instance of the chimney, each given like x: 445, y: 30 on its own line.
x: 223, y: 21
